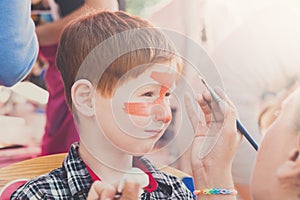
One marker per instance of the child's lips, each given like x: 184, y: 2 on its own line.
x: 154, y: 131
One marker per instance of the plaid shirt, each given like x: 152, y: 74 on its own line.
x: 73, y: 181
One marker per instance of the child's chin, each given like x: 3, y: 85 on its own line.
x: 143, y: 151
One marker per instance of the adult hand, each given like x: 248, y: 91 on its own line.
x: 102, y: 191
x: 215, y: 141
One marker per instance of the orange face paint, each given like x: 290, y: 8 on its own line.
x: 145, y: 109
x: 164, y: 78
x: 139, y: 109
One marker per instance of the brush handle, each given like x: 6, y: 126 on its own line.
x: 239, y: 125
x: 244, y: 131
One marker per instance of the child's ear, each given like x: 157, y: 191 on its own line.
x: 82, y: 93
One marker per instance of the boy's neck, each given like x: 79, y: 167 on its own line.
x: 109, y: 168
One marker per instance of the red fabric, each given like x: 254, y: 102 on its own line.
x: 60, y: 130
x: 152, y: 182
x: 92, y: 174
x: 10, y: 188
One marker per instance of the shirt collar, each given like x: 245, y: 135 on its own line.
x: 151, y: 187
x: 80, y: 180
x: 92, y: 174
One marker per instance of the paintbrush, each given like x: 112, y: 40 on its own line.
x: 239, y: 125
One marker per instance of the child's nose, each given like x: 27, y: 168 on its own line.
x: 161, y: 113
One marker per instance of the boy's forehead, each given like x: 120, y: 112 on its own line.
x: 158, y: 73
x: 149, y: 69
x: 168, y: 67
x: 164, y: 74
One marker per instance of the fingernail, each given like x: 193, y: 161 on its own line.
x: 219, y: 91
x: 222, y: 105
x: 198, y: 97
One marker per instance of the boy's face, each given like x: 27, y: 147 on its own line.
x: 139, y: 112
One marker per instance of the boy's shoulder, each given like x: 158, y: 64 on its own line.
x: 43, y: 186
x: 70, y: 181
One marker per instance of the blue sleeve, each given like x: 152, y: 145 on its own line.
x: 19, y: 45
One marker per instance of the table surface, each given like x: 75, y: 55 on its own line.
x: 24, y: 133
x: 11, y: 155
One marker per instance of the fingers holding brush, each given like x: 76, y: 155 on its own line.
x: 224, y: 97
x: 200, y: 128
x: 204, y: 101
x: 239, y: 125
x: 191, y: 111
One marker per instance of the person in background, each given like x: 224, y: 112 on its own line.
x: 19, y: 45
x: 60, y: 130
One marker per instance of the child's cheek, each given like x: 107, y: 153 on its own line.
x: 140, y: 121
x: 137, y: 108
x: 138, y: 113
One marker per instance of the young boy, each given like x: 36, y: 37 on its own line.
x: 118, y: 73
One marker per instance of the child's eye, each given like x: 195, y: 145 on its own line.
x: 148, y: 94
x: 168, y: 94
